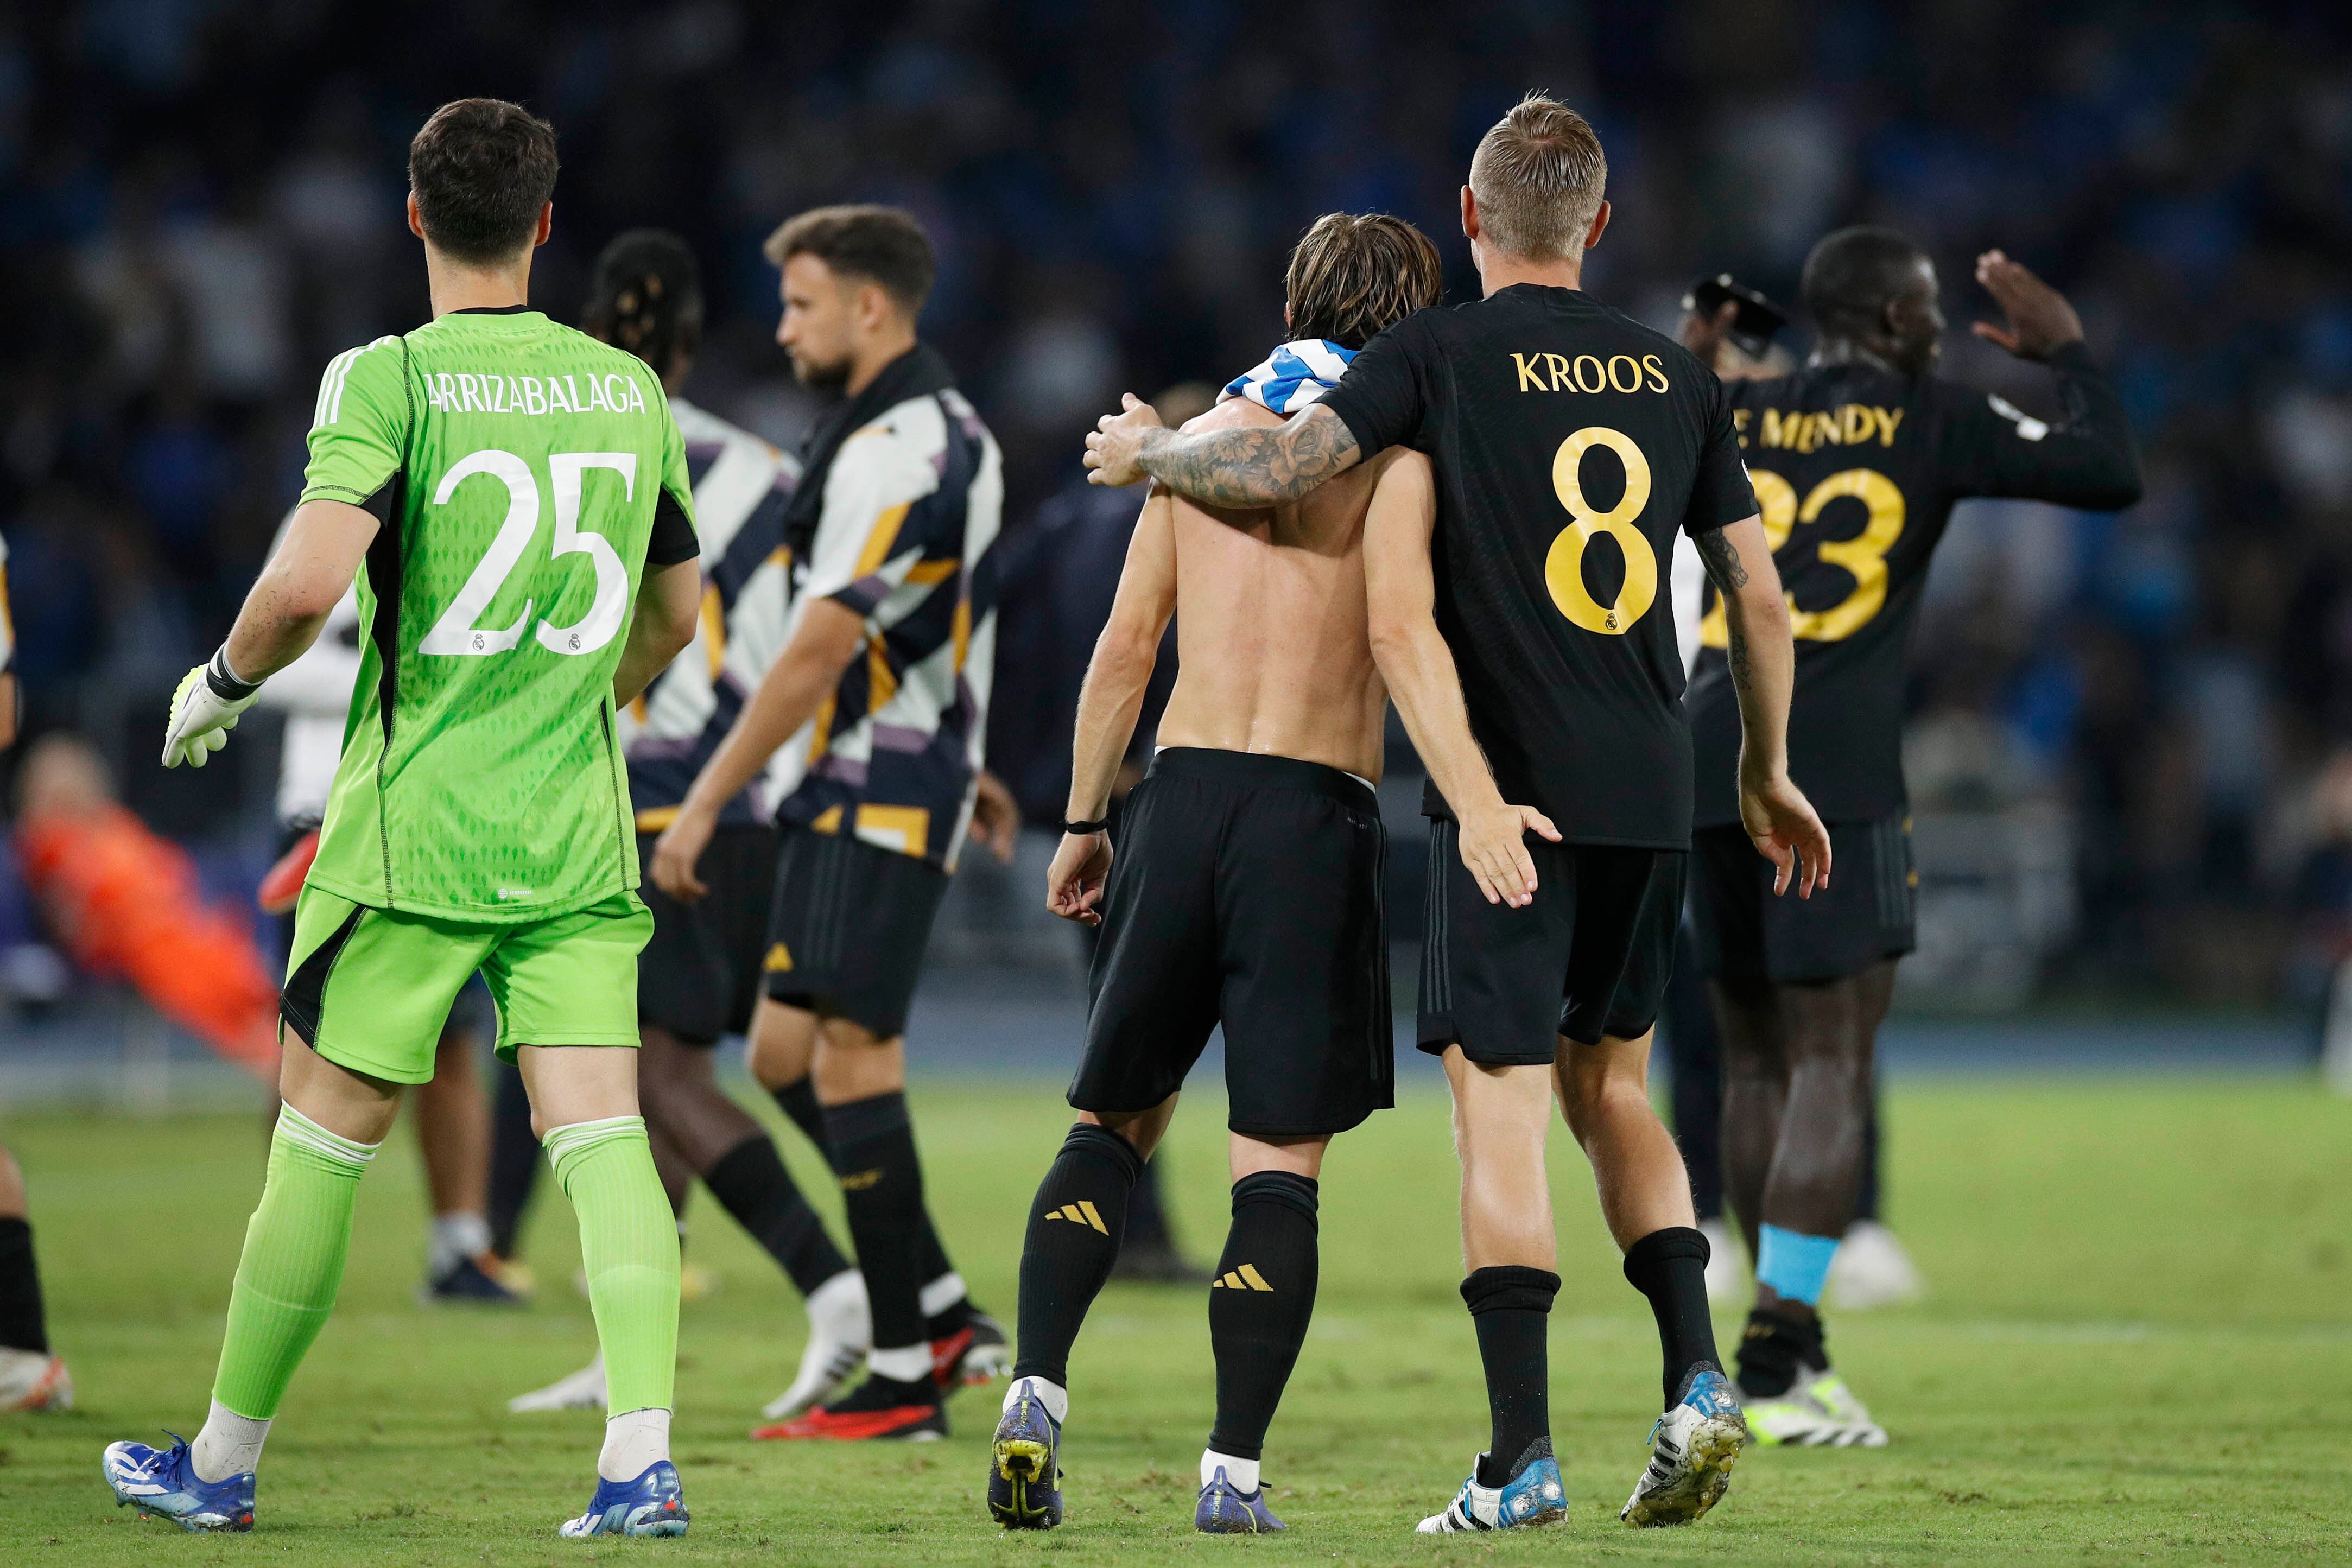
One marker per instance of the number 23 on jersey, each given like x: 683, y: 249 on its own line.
x: 1863, y: 556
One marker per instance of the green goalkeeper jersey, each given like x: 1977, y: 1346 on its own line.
x: 524, y: 475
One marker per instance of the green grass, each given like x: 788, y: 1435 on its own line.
x: 2136, y: 1349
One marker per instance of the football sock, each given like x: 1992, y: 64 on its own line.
x: 452, y: 1239
x: 1774, y: 1348
x: 291, y: 1267
x: 22, y: 1324
x: 1075, y: 1226
x: 1046, y: 1391
x: 797, y: 1101
x: 229, y: 1445
x: 872, y: 1146
x: 1795, y: 1265
x: 1510, y: 1306
x: 1241, y: 1472
x: 514, y: 1161
x: 628, y: 1249
x: 1669, y: 1266
x: 751, y: 1183
x: 634, y: 1439
x: 941, y: 1294
x: 1259, y: 1305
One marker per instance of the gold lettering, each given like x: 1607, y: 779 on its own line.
x: 1780, y: 431
x: 1656, y: 373
x: 1528, y: 380
x: 1558, y: 365
x: 1887, y: 420
x: 1860, y: 423
x: 1600, y: 376
x: 1631, y: 369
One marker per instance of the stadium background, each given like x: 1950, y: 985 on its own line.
x: 2131, y: 741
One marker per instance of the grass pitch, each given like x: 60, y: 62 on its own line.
x: 2136, y: 1347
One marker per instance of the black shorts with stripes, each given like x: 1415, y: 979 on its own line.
x: 1589, y: 958
x: 700, y: 976
x: 849, y: 927
x: 1867, y: 913
x: 1247, y: 892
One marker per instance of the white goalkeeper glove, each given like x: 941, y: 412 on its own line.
x: 204, y: 709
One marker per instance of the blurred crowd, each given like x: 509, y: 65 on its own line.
x: 200, y: 204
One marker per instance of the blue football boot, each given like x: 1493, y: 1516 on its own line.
x: 161, y: 1484
x: 652, y: 1504
x: 1024, y: 1465
x: 1692, y: 1450
x: 1534, y: 1496
x: 1225, y: 1510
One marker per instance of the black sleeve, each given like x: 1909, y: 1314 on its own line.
x: 673, y: 538
x: 2087, y: 459
x: 1720, y: 493
x: 1380, y: 398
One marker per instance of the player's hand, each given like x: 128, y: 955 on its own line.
x: 678, y: 849
x: 1787, y: 831
x: 1704, y: 335
x: 1495, y: 848
x: 1117, y: 441
x: 1074, y: 884
x: 201, y: 719
x: 995, y: 817
x: 2039, y: 320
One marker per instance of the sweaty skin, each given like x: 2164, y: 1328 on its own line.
x: 1273, y: 651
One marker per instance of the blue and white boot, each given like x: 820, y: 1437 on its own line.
x: 652, y: 1504
x: 1225, y: 1510
x: 1692, y: 1450
x: 162, y: 1484
x: 1533, y: 1497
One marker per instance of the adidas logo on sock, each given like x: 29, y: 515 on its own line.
x: 1079, y: 1213
x: 1245, y: 1278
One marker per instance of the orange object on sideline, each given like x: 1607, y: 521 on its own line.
x: 281, y: 886
x: 124, y: 902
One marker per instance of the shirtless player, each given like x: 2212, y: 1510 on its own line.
x: 1247, y: 891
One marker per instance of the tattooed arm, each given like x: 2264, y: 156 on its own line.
x: 1246, y: 466
x: 1763, y: 660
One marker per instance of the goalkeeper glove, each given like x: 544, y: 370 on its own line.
x: 204, y: 709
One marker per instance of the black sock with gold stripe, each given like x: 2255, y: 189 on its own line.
x: 1259, y: 1304
x: 1075, y: 1226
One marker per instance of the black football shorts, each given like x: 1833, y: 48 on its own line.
x: 1246, y: 890
x: 1867, y: 913
x: 699, y: 977
x: 850, y: 925
x: 1589, y: 958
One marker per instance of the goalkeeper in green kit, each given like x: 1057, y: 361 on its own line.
x: 513, y: 497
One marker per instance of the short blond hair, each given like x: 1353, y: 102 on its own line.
x: 1538, y: 176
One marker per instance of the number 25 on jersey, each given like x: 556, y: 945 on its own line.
x: 456, y: 634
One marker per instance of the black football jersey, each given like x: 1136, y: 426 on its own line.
x: 1570, y: 443
x: 1856, y: 469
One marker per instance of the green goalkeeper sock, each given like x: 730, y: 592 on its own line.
x: 628, y: 1245
x: 293, y: 1262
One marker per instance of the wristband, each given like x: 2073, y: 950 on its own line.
x: 224, y: 682
x: 1084, y: 828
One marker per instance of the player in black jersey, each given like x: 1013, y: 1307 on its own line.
x: 1857, y: 459
x: 1568, y: 444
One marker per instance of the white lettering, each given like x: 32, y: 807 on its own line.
x: 636, y: 399
x: 534, y: 396
x: 555, y: 398
x: 596, y: 398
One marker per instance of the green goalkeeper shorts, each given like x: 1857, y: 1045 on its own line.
x: 370, y: 990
